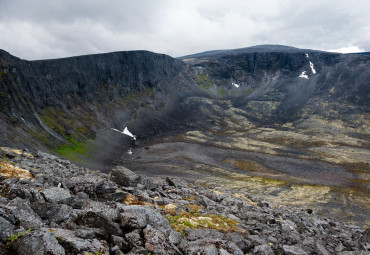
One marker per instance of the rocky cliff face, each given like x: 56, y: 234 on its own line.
x: 281, y: 83
x: 72, y: 98
x: 56, y: 101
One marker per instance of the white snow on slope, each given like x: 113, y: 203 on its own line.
x: 236, y: 85
x: 303, y: 75
x: 125, y: 132
x: 307, y: 55
x: 312, y: 67
x: 129, y: 152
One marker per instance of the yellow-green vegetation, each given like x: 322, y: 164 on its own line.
x: 101, y: 252
x: 41, y: 136
x: 249, y: 91
x: 64, y: 125
x: 10, y: 170
x: 14, y: 238
x: 133, y: 97
x: 266, y: 181
x: 221, y: 92
x: 246, y: 165
x: 194, y: 219
x: 74, y: 149
x: 3, y: 74
x: 3, y: 96
x: 202, y: 78
x: 72, y: 130
x: 132, y: 200
x: 190, y: 198
x: 203, y: 81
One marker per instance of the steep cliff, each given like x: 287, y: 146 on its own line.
x: 71, y: 99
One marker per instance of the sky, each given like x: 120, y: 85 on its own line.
x: 44, y: 29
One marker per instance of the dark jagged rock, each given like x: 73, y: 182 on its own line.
x: 41, y: 241
x: 98, y: 220
x: 51, y: 211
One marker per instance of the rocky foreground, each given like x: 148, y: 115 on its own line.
x: 50, y: 206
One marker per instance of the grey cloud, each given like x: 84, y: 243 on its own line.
x: 47, y: 29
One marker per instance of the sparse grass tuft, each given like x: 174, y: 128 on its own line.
x: 14, y: 238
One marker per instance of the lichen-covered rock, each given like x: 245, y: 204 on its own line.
x: 119, y: 242
x: 240, y: 240
x: 24, y: 214
x: 125, y: 177
x: 133, y: 220
x: 364, y: 241
x: 134, y: 238
x: 55, y: 194
x: 156, y: 242
x: 40, y: 241
x: 74, y: 244
x: 98, y: 220
x: 263, y: 249
x: 293, y: 250
x: 196, y: 234
x: 51, y: 211
x: 6, y: 229
x: 153, y: 217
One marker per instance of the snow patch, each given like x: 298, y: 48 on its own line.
x: 312, y: 68
x: 236, y: 85
x: 125, y: 132
x: 307, y: 55
x: 303, y: 75
x: 129, y: 152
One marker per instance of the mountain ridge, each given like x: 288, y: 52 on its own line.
x: 228, y: 120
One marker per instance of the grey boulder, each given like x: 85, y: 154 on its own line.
x: 41, y: 241
x: 55, y: 194
x: 125, y: 177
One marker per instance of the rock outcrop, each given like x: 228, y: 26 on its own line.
x: 55, y: 211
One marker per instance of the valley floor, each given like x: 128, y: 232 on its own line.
x: 323, y: 168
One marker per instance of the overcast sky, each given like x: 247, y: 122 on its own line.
x: 40, y: 29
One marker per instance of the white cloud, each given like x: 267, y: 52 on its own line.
x: 48, y: 29
x: 348, y: 49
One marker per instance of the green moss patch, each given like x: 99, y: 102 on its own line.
x: 194, y: 219
x: 75, y: 150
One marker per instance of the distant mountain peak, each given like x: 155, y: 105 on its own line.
x: 252, y: 49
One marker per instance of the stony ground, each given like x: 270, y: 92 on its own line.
x: 50, y: 206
